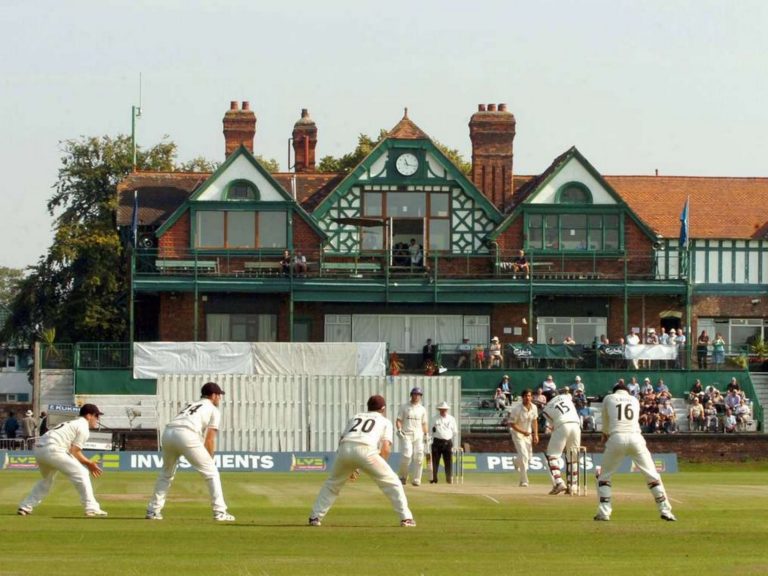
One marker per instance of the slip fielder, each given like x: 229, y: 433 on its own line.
x: 622, y: 436
x: 365, y: 446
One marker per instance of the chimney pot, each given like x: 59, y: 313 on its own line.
x: 304, y: 113
x: 502, y: 107
x: 246, y: 105
x: 233, y: 105
x: 491, y: 107
x: 481, y: 107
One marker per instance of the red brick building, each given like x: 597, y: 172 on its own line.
x: 406, y: 247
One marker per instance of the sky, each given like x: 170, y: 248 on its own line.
x: 637, y: 86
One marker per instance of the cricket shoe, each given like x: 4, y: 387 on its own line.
x: 408, y: 523
x: 153, y: 515
x: 23, y: 512
x: 558, y: 489
x: 601, y: 518
x: 315, y: 522
x: 668, y: 516
x: 223, y: 517
x: 99, y: 513
x: 523, y: 484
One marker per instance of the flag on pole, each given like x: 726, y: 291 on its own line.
x: 684, y: 225
x: 135, y: 219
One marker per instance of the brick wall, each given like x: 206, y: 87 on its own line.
x: 176, y: 317
x: 175, y: 242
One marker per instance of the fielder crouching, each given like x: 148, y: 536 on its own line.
x: 364, y: 447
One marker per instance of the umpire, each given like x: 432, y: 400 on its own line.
x: 444, y: 430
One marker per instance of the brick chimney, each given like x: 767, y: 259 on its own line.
x: 492, y: 131
x: 239, y: 127
x: 304, y: 142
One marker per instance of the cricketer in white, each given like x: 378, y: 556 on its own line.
x: 566, y: 434
x: 192, y: 434
x: 61, y: 450
x: 411, y: 424
x: 365, y: 446
x: 623, y: 437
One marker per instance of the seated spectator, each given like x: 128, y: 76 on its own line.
x: 713, y: 395
x: 743, y: 413
x: 463, y: 351
x: 521, y: 265
x: 540, y: 401
x: 732, y: 399
x: 696, y: 419
x: 504, y: 385
x: 697, y: 391
x: 646, y: 388
x: 300, y: 264
x: 667, y: 417
x: 729, y: 422
x: 661, y: 387
x: 428, y: 352
x: 495, y: 358
x: 285, y: 263
x: 733, y: 384
x: 577, y: 384
x: 649, y: 417
x: 500, y: 400
x: 582, y: 409
x: 711, y: 418
x: 479, y: 356
x: 549, y: 384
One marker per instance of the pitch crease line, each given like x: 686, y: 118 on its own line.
x: 491, y: 498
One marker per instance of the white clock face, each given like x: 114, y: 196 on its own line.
x: 407, y: 164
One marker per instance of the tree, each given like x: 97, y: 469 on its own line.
x: 365, y: 144
x: 10, y: 278
x: 80, y: 288
x: 269, y: 164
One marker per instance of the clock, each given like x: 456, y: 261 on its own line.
x: 407, y: 164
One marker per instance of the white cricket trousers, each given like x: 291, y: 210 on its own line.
x: 524, y: 448
x: 51, y: 461
x: 179, y: 442
x: 412, y: 459
x: 565, y: 436
x: 352, y: 455
x: 619, y: 446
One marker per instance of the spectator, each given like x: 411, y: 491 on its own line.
x: 11, y: 425
x: 718, y: 351
x: 696, y: 416
x: 649, y: 414
x: 667, y: 417
x: 633, y: 340
x: 662, y: 389
x: 479, y: 356
x: 504, y: 385
x: 43, y: 423
x: 710, y: 417
x: 646, y: 388
x: 583, y: 410
x: 549, y: 384
x: 732, y: 399
x: 285, y: 263
x: 633, y: 387
x: 729, y: 422
x: 682, y: 351
x: 716, y: 398
x: 577, y: 384
x: 663, y: 336
x: 697, y: 391
x: 540, y: 400
x: 521, y: 265
x: 463, y: 351
x: 428, y: 352
x: 500, y: 400
x: 733, y: 384
x: 743, y: 413
x: 300, y: 264
x: 702, y: 343
x: 495, y: 358
x: 415, y: 253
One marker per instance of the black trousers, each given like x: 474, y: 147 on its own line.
x: 442, y: 448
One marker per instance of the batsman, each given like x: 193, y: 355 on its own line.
x: 411, y: 425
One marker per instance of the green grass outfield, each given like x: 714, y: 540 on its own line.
x: 486, y: 526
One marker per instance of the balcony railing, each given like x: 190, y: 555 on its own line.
x: 578, y: 266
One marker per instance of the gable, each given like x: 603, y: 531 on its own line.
x: 572, y: 171
x: 241, y: 166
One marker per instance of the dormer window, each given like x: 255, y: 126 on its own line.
x: 242, y: 190
x: 574, y: 193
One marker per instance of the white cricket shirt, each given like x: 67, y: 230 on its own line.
x: 444, y: 427
x: 197, y: 417
x: 560, y: 410
x: 414, y: 419
x: 74, y: 432
x: 368, y: 428
x: 621, y: 411
x: 523, y: 419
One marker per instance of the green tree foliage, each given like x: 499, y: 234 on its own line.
x: 80, y: 288
x: 198, y: 164
x: 365, y: 144
x: 10, y: 278
x: 269, y: 164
